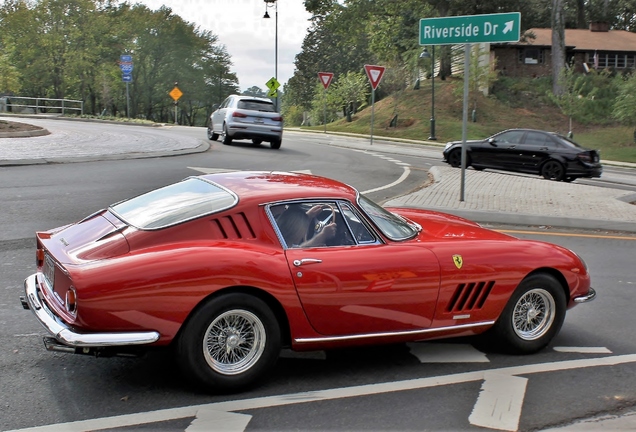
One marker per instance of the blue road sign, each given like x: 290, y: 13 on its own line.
x: 126, y: 78
x: 126, y: 68
x: 125, y: 58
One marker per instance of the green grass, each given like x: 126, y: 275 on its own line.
x: 523, y: 107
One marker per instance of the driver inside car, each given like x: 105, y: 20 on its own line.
x: 298, y: 228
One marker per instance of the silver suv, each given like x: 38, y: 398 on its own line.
x: 246, y: 117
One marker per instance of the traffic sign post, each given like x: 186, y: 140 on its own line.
x: 469, y: 29
x: 175, y: 94
x: 126, y: 66
x: 273, y: 85
x: 325, y: 80
x: 374, y: 73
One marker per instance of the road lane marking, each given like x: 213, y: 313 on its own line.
x: 583, y: 350
x: 447, y: 353
x: 403, y: 177
x: 499, y: 402
x: 208, y: 420
x: 325, y: 395
x: 565, y: 234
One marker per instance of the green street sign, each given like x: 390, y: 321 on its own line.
x: 503, y: 27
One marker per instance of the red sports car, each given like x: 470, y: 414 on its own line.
x: 228, y: 268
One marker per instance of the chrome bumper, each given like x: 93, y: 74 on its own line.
x: 66, y: 335
x: 591, y: 295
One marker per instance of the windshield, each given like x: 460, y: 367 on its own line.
x: 173, y: 204
x: 391, y: 225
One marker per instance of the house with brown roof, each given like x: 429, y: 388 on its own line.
x: 594, y: 48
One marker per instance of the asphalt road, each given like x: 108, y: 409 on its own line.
x: 588, y: 369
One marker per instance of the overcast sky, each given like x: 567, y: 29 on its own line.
x: 248, y: 38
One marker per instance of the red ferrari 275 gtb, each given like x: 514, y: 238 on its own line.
x: 229, y: 268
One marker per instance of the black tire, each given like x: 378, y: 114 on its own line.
x: 455, y: 158
x: 230, y: 343
x: 533, y: 315
x: 275, y: 144
x: 211, y: 135
x: 553, y: 170
x: 225, y: 138
x: 257, y: 141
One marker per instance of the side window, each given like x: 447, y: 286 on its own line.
x: 360, y: 232
x: 311, y: 224
x: 226, y: 103
x: 537, y: 139
x: 511, y: 137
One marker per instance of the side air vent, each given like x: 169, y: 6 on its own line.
x: 470, y: 296
x: 232, y: 227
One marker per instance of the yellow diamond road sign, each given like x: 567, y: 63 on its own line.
x: 175, y: 93
x: 272, y: 93
x: 272, y: 84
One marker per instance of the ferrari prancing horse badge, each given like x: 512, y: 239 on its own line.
x: 457, y: 259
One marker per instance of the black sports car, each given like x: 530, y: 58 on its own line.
x: 553, y: 156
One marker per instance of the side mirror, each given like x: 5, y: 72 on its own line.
x: 492, y: 142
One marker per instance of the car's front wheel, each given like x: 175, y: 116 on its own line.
x: 229, y: 343
x: 533, y: 316
x: 553, y: 170
x: 211, y: 135
x: 455, y: 158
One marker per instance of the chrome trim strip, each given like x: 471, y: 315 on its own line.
x: 591, y: 295
x: 64, y: 334
x: 393, y: 334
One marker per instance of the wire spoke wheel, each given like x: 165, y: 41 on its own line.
x: 234, y: 342
x: 533, y: 314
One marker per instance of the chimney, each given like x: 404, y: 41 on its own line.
x: 599, y: 26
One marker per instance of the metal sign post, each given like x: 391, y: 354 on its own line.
x: 374, y: 73
x: 325, y: 80
x: 467, y: 29
x: 126, y: 66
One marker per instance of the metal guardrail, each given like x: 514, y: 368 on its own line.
x: 41, y: 105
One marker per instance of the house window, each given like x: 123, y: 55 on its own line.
x: 531, y: 56
x: 602, y: 60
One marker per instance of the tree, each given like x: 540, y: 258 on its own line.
x: 255, y: 91
x: 558, y: 45
x: 625, y: 105
x: 9, y: 75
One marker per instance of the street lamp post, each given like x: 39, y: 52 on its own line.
x: 270, y: 3
x: 425, y: 54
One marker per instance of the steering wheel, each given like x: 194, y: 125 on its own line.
x: 321, y: 224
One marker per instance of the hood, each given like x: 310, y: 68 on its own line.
x: 444, y: 226
x: 96, y: 237
x: 467, y: 142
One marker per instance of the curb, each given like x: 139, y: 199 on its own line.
x: 25, y: 134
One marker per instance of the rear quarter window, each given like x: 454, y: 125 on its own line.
x: 174, y: 204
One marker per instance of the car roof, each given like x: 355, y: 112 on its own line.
x: 259, y: 187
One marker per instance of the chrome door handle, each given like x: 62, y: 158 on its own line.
x: 300, y: 262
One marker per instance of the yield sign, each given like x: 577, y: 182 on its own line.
x: 325, y: 78
x: 375, y: 74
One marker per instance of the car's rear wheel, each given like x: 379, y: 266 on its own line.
x: 275, y: 144
x: 257, y: 141
x: 533, y: 316
x: 211, y: 135
x: 229, y: 343
x: 553, y: 170
x: 225, y: 138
